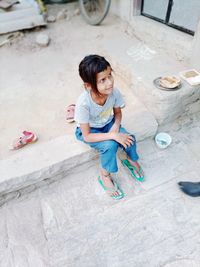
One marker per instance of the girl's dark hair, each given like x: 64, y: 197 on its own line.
x: 89, y: 67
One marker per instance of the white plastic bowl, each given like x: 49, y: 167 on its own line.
x: 163, y: 140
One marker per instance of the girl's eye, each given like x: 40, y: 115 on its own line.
x: 104, y: 79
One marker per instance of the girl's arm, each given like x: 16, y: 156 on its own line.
x: 123, y: 139
x: 118, y: 118
x: 94, y: 137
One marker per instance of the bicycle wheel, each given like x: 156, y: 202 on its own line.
x: 94, y: 11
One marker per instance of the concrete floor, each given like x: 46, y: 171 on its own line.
x: 72, y: 222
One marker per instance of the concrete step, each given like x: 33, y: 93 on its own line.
x: 35, y: 164
x: 41, y: 161
x: 29, y: 167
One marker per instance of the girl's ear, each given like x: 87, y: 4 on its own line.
x: 87, y: 86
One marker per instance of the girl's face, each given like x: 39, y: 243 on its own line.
x: 105, y: 81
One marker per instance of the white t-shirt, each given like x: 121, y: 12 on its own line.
x: 87, y: 111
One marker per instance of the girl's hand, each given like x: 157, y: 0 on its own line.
x: 125, y: 140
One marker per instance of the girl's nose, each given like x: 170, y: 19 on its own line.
x: 109, y: 82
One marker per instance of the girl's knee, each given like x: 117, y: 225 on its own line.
x: 123, y: 130
x: 132, y: 147
x: 110, y: 145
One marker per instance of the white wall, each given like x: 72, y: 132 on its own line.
x: 122, y: 8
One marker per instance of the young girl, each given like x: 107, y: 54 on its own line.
x: 98, y: 115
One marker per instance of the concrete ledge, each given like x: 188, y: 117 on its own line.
x: 37, y: 163
x: 53, y: 159
x: 167, y: 106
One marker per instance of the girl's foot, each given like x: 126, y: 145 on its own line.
x: 137, y: 166
x: 115, y: 192
x: 134, y: 168
x: 108, y: 183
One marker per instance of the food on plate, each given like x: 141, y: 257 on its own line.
x: 170, y: 81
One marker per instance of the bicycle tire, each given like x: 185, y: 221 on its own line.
x: 91, y: 16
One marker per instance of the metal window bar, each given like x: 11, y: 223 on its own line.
x: 167, y: 18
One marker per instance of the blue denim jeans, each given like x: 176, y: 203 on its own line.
x: 108, y: 149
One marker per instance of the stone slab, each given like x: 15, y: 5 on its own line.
x: 47, y: 160
x: 83, y: 226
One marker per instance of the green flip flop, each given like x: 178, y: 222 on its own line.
x: 133, y: 170
x: 116, y: 188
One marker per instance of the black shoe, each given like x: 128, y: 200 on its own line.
x: 189, y: 188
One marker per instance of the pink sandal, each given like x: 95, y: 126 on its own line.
x: 70, y: 113
x: 26, y: 138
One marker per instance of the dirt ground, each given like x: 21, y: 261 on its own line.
x: 37, y: 83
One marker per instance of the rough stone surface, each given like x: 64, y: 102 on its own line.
x: 77, y: 12
x: 72, y: 222
x: 61, y: 15
x: 51, y: 18
x: 42, y: 39
x: 48, y: 161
